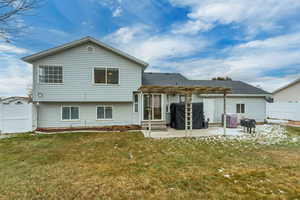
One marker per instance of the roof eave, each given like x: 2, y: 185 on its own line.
x: 42, y: 54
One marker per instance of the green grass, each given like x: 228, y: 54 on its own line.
x: 129, y: 166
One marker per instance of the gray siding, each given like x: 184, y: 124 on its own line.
x: 50, y: 115
x: 78, y: 84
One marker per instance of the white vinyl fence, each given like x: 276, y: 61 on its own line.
x: 285, y: 111
x: 15, y: 117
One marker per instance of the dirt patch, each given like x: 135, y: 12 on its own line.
x: 297, y: 123
x: 102, y: 128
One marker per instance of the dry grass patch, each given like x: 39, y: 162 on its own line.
x: 129, y: 166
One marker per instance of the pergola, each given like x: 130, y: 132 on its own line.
x: 188, y: 91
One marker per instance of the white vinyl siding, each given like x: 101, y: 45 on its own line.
x: 49, y: 117
x: 78, y: 71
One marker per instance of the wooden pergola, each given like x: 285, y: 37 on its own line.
x: 188, y: 91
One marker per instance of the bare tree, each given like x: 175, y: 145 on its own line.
x: 9, y: 10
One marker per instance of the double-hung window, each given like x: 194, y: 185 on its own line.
x: 104, y: 113
x: 50, y: 74
x: 136, y: 103
x: 106, y: 76
x: 70, y: 113
x: 240, y: 108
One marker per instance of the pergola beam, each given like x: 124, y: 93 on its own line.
x: 184, y: 90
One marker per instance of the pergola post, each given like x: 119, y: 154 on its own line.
x: 225, y: 117
x: 149, y: 115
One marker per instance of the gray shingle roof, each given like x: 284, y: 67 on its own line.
x: 169, y: 79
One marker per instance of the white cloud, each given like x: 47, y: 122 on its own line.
x: 191, y: 27
x: 155, y: 49
x: 117, y: 12
x: 255, y: 15
x: 250, y: 62
x: 9, y: 48
x: 15, y: 76
x: 113, y: 5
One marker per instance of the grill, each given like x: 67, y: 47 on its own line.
x: 248, y: 125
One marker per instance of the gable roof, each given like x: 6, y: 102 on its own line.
x: 75, y: 43
x: 287, y: 86
x: 12, y: 99
x: 172, y: 79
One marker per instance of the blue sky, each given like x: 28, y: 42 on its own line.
x: 254, y: 41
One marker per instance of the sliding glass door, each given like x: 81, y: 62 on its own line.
x: 153, y: 103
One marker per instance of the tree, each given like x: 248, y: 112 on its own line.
x: 9, y: 10
x: 222, y: 78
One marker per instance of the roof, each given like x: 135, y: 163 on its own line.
x: 176, y: 79
x: 75, y: 43
x: 11, y: 99
x: 166, y: 79
x: 288, y: 85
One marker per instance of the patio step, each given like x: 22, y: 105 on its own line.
x: 155, y: 125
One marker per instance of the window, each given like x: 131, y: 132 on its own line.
x: 70, y: 113
x: 50, y: 74
x: 106, y: 75
x: 240, y: 108
x: 168, y: 104
x: 136, y: 103
x: 181, y: 98
x: 104, y: 112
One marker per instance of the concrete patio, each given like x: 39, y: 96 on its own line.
x: 213, y: 131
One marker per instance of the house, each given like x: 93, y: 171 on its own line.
x: 87, y: 83
x: 289, y: 93
x: 16, y: 115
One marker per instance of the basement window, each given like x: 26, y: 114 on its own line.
x: 70, y: 113
x: 240, y: 108
x: 104, y: 112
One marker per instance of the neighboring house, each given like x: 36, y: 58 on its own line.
x: 16, y: 115
x: 288, y: 93
x: 86, y: 83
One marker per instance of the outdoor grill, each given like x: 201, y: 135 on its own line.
x: 249, y: 125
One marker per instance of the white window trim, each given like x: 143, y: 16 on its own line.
x: 162, y: 108
x: 241, y: 108
x: 106, y: 84
x: 69, y: 120
x: 112, y: 112
x: 54, y: 65
x: 134, y: 103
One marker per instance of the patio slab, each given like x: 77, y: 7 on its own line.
x: 213, y: 131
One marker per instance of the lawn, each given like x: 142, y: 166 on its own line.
x: 129, y: 166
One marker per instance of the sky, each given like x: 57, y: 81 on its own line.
x: 255, y: 41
